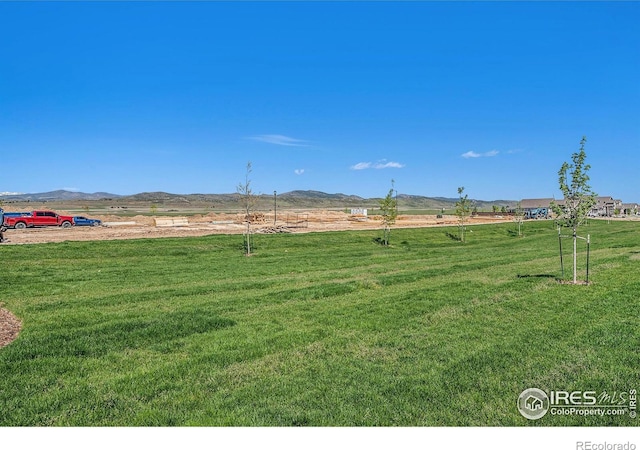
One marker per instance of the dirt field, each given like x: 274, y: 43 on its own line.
x: 116, y: 227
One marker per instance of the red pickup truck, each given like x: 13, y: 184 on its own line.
x: 37, y: 219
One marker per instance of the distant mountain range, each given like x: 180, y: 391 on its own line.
x: 55, y: 196
x: 293, y: 199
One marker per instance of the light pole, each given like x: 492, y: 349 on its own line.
x: 275, y: 207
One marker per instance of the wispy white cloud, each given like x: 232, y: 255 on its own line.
x: 298, y: 171
x: 390, y: 164
x: 472, y: 154
x: 382, y: 164
x: 279, y: 139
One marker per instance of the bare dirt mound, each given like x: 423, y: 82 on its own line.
x: 9, y: 327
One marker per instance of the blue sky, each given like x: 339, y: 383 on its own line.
x: 331, y: 96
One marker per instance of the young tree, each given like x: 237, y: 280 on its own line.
x: 389, y: 213
x: 518, y: 217
x: 463, y: 209
x: 247, y: 200
x: 2, y: 228
x: 578, y: 196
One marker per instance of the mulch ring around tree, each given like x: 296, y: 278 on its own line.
x: 9, y: 327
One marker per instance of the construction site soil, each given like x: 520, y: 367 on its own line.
x: 136, y: 227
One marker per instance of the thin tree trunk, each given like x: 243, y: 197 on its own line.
x: 248, y: 230
x: 575, y: 258
x: 248, y: 239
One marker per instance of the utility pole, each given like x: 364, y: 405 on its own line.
x: 275, y: 207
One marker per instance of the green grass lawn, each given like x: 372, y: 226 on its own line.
x: 320, y: 329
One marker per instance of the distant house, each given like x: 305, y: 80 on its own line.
x: 629, y: 209
x: 605, y: 207
x: 537, y: 208
x: 532, y: 203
